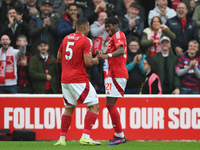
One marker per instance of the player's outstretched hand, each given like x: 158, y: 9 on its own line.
x: 102, y: 56
x: 97, y: 52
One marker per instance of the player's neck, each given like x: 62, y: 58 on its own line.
x: 81, y: 32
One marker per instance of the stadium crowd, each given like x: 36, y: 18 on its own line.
x: 166, y: 30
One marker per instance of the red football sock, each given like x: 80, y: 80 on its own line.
x: 115, y: 117
x: 65, y: 123
x: 90, y: 119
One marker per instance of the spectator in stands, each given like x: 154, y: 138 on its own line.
x: 115, y: 6
x: 162, y: 11
x: 8, y: 65
x: 98, y: 36
x: 14, y: 26
x: 152, y: 35
x: 149, y: 5
x: 23, y: 80
x: 43, y: 26
x: 185, y: 29
x: 131, y: 23
x: 152, y: 84
x: 6, y: 4
x: 30, y: 9
x: 43, y: 71
x: 196, y: 17
x: 57, y: 5
x: 166, y: 64
x: 65, y: 6
x: 91, y: 13
x: 125, y: 7
x: 134, y: 66
x: 191, y: 5
x: 66, y: 24
x: 188, y: 68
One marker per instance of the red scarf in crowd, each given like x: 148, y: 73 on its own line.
x: 155, y: 48
x: 9, y: 71
x: 48, y: 86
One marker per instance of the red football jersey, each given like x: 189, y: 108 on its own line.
x: 117, y: 65
x: 73, y: 66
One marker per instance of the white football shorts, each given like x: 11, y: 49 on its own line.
x: 79, y: 93
x: 115, y: 86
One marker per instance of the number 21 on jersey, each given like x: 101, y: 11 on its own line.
x: 69, y: 51
x: 108, y: 86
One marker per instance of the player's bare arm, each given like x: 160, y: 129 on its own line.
x: 120, y: 51
x: 59, y: 56
x: 89, y: 61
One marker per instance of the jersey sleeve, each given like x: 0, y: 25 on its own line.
x: 119, y: 40
x: 87, y: 46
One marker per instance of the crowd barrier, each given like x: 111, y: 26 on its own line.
x: 143, y: 117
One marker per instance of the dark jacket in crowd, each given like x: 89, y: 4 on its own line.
x: 37, y: 72
x: 26, y: 17
x: 154, y: 85
x: 189, y: 33
x: 136, y: 76
x: 136, y: 31
x: 49, y: 34
x: 93, y: 16
x: 4, y: 10
x: 65, y: 27
x: 22, y: 28
x: 172, y: 78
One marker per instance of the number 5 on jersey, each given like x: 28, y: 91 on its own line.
x: 69, y: 51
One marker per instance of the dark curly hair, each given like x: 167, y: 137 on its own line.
x: 111, y: 20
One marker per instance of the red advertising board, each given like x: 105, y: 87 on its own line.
x: 143, y: 117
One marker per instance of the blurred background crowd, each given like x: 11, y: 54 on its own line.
x: 166, y: 30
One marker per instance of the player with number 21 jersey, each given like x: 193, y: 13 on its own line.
x: 117, y: 65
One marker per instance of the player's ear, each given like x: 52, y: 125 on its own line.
x: 48, y: 47
x: 116, y: 25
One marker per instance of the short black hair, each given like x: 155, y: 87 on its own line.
x: 111, y: 20
x: 81, y: 22
x: 73, y: 4
x: 42, y: 41
x: 135, y: 5
x: 133, y: 38
x: 21, y: 36
x: 10, y: 8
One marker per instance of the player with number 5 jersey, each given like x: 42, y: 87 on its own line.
x: 72, y: 48
x: 75, y: 54
x: 117, y: 75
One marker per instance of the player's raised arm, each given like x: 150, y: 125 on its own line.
x: 120, y: 51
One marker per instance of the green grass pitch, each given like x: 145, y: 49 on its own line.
x: 130, y: 145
